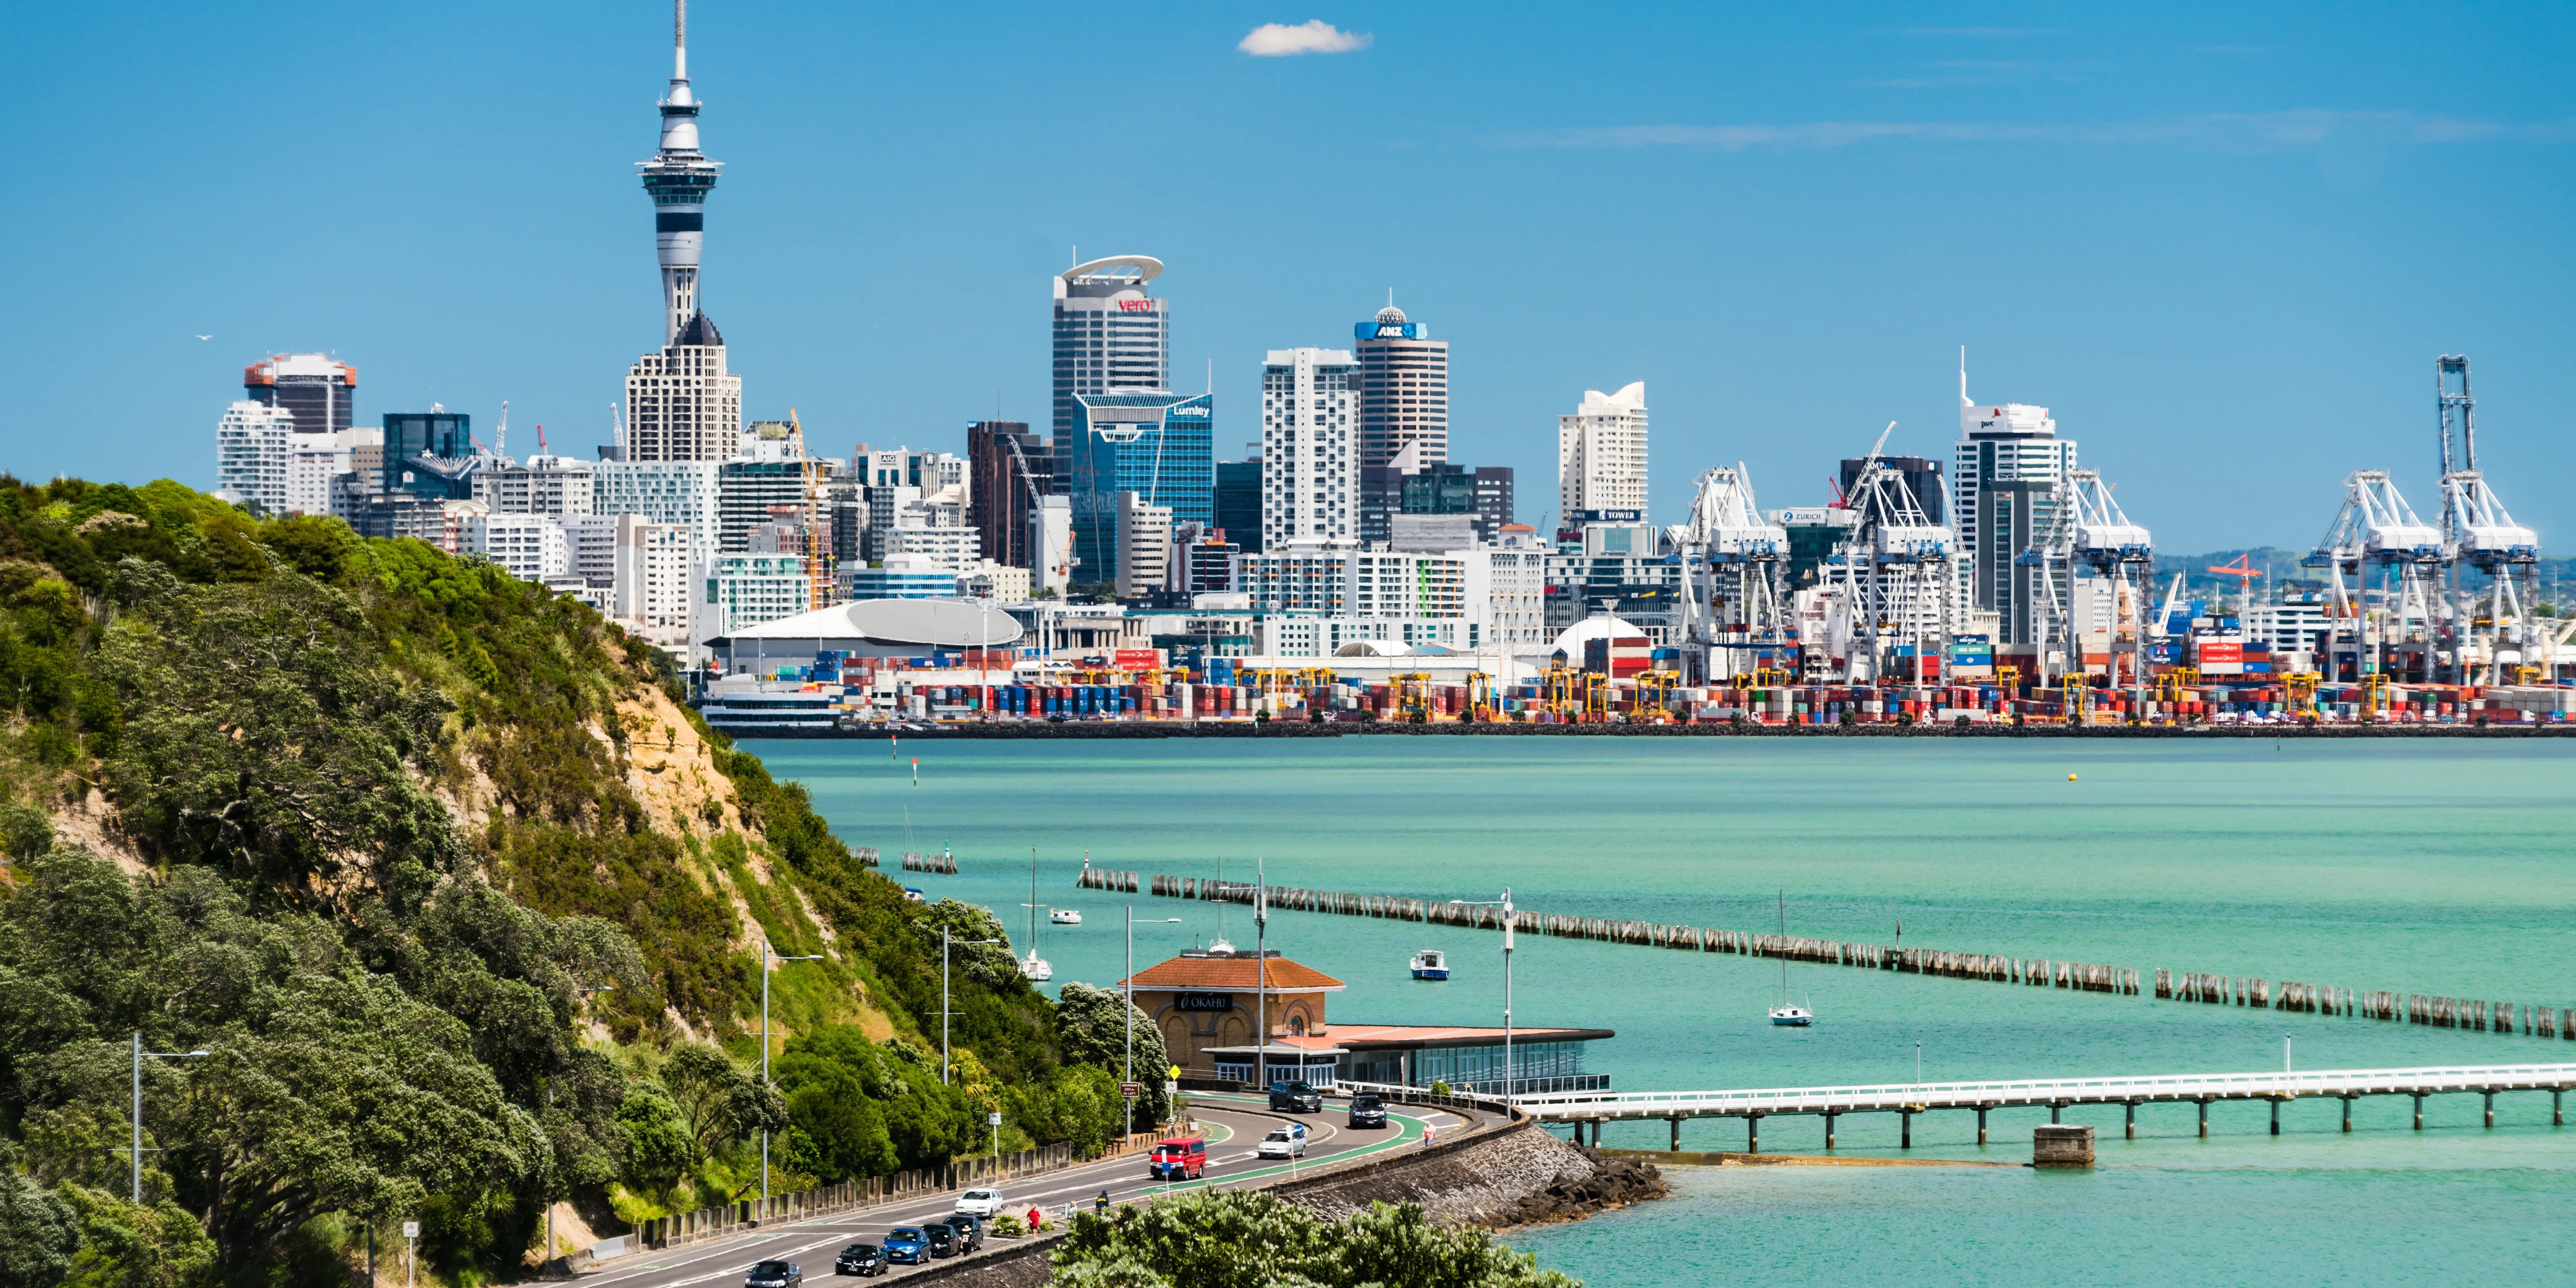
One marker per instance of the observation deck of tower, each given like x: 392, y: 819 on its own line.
x: 679, y: 177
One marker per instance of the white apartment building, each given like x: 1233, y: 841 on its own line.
x: 530, y: 546
x: 1322, y: 637
x: 1506, y: 594
x: 955, y: 549
x: 590, y: 541
x: 1338, y: 579
x: 314, y: 462
x: 681, y: 492
x: 1144, y: 545
x: 747, y: 590
x: 650, y: 579
x: 1601, y: 454
x: 252, y: 445
x: 559, y: 487
x: 1310, y: 458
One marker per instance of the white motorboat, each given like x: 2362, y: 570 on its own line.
x: 1785, y: 1014
x: 1064, y: 916
x: 1431, y: 963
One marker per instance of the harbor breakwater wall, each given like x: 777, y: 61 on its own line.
x: 2482, y: 1016
x: 1518, y: 1175
x: 971, y: 729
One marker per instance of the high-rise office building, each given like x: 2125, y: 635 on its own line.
x: 1401, y: 487
x: 1922, y: 477
x: 1601, y: 456
x: 1404, y: 389
x: 1238, y: 500
x: 681, y: 402
x: 1157, y: 445
x: 1110, y: 336
x: 2010, y: 462
x: 1009, y: 468
x: 315, y: 388
x: 1310, y: 459
x: 1144, y: 545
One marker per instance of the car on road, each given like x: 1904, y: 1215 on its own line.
x: 907, y: 1245
x: 942, y: 1240
x: 985, y: 1203
x: 1367, y: 1111
x: 1288, y: 1141
x: 1295, y: 1098
x: 970, y: 1231
x: 1178, y: 1159
x: 774, y: 1274
x: 861, y: 1261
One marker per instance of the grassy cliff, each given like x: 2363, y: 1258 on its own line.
x: 465, y: 907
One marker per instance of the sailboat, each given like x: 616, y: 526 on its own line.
x: 1034, y: 966
x: 1784, y: 1014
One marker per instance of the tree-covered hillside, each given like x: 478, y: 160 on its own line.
x: 464, y: 908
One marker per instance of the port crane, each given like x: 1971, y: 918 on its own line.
x: 2377, y: 531
x: 1727, y: 534
x: 2093, y: 532
x: 2479, y: 538
x: 1908, y: 557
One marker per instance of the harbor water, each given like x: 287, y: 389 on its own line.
x: 2434, y: 867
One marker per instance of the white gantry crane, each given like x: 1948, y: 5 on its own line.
x: 1727, y: 536
x: 2376, y: 531
x: 2488, y: 635
x: 1906, y: 593
x: 2091, y: 532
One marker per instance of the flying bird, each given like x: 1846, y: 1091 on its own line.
x: 205, y: 337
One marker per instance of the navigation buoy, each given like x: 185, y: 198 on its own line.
x: 2070, y: 778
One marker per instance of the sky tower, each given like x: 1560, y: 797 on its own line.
x: 679, y: 177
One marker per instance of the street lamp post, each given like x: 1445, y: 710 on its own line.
x: 1511, y: 1081
x: 139, y: 1054
x: 943, y: 996
x: 1128, y: 1064
x: 769, y: 959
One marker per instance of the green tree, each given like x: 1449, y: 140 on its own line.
x: 38, y: 1231
x: 1255, y: 1239
x: 659, y: 1148
x: 1092, y: 1024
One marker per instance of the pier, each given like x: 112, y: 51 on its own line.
x: 1905, y: 1100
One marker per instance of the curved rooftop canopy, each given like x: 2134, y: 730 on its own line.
x: 1147, y: 267
x: 1599, y: 626
x: 914, y: 623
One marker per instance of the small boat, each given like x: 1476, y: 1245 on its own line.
x: 1431, y: 963
x: 1064, y: 916
x: 913, y: 894
x: 1036, y: 968
x: 1786, y: 1015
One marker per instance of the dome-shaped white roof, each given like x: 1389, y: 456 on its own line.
x: 1390, y: 315
x: 1599, y: 626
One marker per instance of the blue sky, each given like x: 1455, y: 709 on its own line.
x: 2224, y: 243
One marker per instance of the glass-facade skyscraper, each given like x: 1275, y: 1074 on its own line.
x: 1110, y: 336
x: 1158, y: 445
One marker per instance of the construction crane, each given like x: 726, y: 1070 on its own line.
x: 1727, y: 534
x: 2377, y: 531
x: 2479, y: 537
x: 2243, y: 570
x: 1908, y: 558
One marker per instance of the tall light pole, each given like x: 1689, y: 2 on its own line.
x: 139, y: 1054
x: 1510, y: 1080
x: 1128, y: 1065
x: 769, y: 959
x: 943, y: 996
x: 1261, y: 973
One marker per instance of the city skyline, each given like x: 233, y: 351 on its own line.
x: 2285, y: 265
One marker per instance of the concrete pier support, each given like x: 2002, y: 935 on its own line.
x: 2347, y: 1113
x: 2557, y: 1115
x: 2419, y: 1111
x: 2204, y: 1120
x: 1677, y: 1133
x: 2276, y: 1116
x: 1981, y: 1125
x: 1905, y: 1129
x: 1830, y: 1116
x: 1752, y: 1133
x: 2490, y: 1098
x: 2054, y: 1107
x: 2129, y: 1116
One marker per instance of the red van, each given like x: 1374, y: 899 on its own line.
x: 1178, y: 1159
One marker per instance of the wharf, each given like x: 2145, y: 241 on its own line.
x: 1120, y: 729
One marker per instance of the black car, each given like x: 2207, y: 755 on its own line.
x: 1368, y: 1111
x: 861, y: 1260
x: 942, y: 1240
x: 970, y: 1232
x: 774, y: 1274
x: 1295, y: 1098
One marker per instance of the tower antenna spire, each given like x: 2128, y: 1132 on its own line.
x: 679, y: 39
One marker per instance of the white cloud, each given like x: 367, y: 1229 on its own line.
x: 1314, y: 36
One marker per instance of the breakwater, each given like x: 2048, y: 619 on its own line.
x: 2485, y: 1016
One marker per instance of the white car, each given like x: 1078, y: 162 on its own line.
x: 1283, y: 1142
x: 983, y: 1203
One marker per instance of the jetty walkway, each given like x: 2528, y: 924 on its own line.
x: 1580, y: 1108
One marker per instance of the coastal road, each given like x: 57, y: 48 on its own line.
x: 1240, y: 1122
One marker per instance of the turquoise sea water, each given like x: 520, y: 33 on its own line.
x: 2438, y: 867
